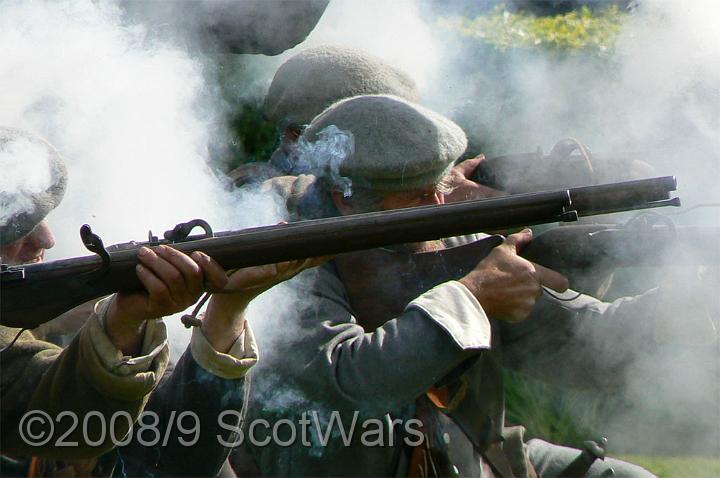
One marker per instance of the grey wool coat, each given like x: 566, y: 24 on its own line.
x: 330, y: 368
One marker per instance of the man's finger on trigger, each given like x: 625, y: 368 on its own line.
x: 552, y: 279
x: 215, y: 276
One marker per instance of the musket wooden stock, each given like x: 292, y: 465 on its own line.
x: 35, y: 293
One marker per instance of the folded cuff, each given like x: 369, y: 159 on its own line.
x: 235, y: 364
x: 154, y: 341
x: 115, y: 375
x: 458, y: 312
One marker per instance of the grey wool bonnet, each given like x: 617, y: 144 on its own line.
x: 398, y: 145
x: 315, y: 78
x: 34, y: 181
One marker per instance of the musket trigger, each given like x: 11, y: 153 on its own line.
x: 93, y: 243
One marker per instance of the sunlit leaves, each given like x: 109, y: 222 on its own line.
x: 582, y: 30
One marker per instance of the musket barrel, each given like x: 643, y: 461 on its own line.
x: 367, y: 231
x: 623, y: 196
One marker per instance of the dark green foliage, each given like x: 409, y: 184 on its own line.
x: 544, y: 411
x: 254, y: 137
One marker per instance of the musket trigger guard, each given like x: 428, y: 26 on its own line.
x: 93, y: 243
x: 181, y: 231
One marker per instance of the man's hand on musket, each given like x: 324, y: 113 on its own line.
x: 464, y: 189
x: 173, y: 282
x: 225, y: 316
x: 506, y: 285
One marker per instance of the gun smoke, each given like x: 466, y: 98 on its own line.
x: 134, y: 120
x: 135, y: 117
x: 656, y: 93
x: 654, y: 97
x: 12, y: 155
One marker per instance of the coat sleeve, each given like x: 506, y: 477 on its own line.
x: 338, y: 363
x: 575, y: 340
x: 90, y: 375
x: 198, y: 406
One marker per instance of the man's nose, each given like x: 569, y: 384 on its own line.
x: 42, y: 236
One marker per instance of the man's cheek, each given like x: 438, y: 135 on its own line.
x: 10, y: 253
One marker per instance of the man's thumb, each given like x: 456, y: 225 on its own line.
x: 520, y: 239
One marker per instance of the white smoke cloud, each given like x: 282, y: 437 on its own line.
x: 26, y: 171
x: 394, y: 31
x: 656, y: 94
x: 133, y: 119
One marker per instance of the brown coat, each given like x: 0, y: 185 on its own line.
x: 37, y: 375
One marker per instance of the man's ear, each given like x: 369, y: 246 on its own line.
x: 341, y: 202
